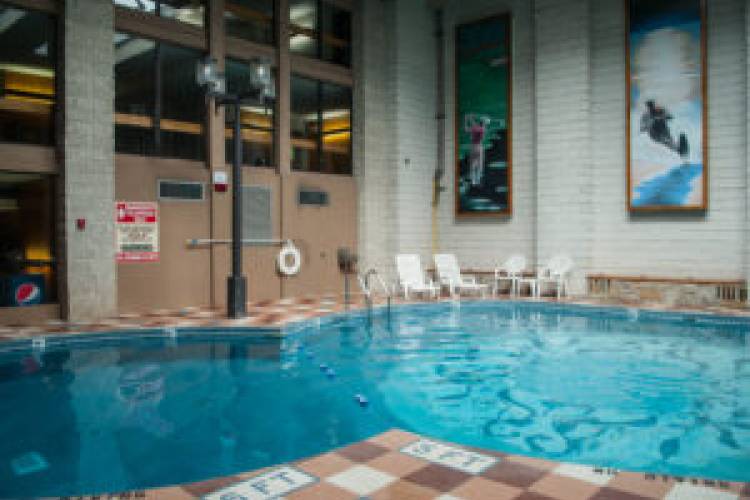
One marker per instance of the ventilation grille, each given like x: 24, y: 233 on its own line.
x: 256, y: 213
x: 180, y: 190
x: 312, y: 197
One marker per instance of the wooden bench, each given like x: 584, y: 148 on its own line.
x: 648, y: 287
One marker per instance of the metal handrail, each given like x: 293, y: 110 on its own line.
x: 250, y: 242
x: 364, y: 284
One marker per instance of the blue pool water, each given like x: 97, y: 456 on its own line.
x: 662, y: 393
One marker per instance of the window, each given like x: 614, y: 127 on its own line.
x: 304, y: 124
x: 27, y: 264
x: 336, y: 26
x: 321, y: 126
x: 27, y: 76
x: 183, y: 107
x: 303, y: 21
x: 135, y: 74
x: 159, y: 108
x: 257, y: 120
x: 321, y: 30
x: 336, y: 115
x: 191, y: 12
x: 250, y: 20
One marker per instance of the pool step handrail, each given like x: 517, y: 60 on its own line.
x: 367, y: 288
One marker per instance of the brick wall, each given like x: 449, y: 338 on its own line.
x: 710, y: 245
x: 398, y: 147
x: 487, y: 243
x: 373, y: 136
x: 564, y: 168
x: 569, y: 166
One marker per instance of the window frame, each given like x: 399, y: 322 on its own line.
x: 31, y: 153
x: 318, y: 32
x: 213, y: 40
x: 236, y: 41
x: 322, y: 168
x: 157, y: 117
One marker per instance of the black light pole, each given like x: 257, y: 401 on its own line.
x: 237, y: 283
x: 207, y: 75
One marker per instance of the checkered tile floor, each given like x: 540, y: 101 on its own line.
x: 399, y: 465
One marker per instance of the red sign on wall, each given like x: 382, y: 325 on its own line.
x: 137, y: 225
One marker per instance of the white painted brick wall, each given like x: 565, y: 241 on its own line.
x: 674, y: 245
x: 373, y: 159
x: 486, y: 243
x: 398, y: 123
x: 416, y: 143
x: 564, y: 174
x: 569, y: 187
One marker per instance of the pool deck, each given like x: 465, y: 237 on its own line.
x: 398, y: 465
x: 276, y: 314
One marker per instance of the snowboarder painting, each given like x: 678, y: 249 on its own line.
x: 483, y: 117
x: 667, y: 107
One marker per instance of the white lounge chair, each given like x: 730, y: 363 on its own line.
x: 556, y: 272
x: 512, y: 271
x: 411, y: 277
x: 449, y: 274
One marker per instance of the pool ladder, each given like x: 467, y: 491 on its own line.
x: 367, y: 288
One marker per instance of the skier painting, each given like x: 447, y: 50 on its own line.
x: 667, y: 107
x: 654, y: 122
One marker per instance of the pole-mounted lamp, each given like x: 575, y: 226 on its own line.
x: 259, y: 89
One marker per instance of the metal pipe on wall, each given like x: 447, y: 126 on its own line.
x: 437, y: 186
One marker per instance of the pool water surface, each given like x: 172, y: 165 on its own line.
x: 661, y: 393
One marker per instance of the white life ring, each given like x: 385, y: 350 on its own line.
x: 288, y: 253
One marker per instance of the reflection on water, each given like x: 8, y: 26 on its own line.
x: 134, y: 412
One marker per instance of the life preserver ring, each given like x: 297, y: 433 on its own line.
x: 288, y: 253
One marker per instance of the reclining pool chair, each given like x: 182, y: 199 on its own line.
x: 411, y: 277
x: 449, y: 274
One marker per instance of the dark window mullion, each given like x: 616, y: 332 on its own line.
x: 320, y: 126
x: 157, y: 97
x: 319, y: 28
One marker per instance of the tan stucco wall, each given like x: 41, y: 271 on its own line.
x: 185, y: 276
x: 182, y: 275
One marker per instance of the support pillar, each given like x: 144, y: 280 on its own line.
x: 88, y: 269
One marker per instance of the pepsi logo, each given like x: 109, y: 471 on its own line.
x: 27, y: 293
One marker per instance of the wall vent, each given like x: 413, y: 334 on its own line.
x: 315, y: 197
x: 256, y: 213
x: 176, y: 190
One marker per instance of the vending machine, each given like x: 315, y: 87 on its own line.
x: 19, y: 290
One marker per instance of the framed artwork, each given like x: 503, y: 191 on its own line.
x: 666, y: 75
x: 483, y: 118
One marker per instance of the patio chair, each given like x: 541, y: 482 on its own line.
x: 411, y: 277
x: 556, y: 272
x: 512, y: 271
x: 449, y: 274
